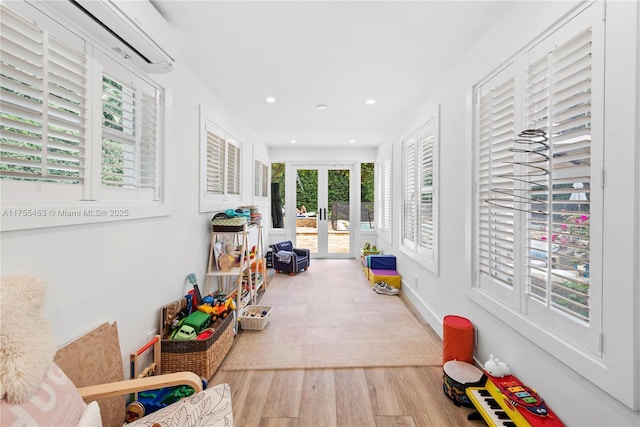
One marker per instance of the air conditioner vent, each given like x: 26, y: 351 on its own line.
x: 134, y: 30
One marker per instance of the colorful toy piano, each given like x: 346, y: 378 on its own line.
x: 507, y: 402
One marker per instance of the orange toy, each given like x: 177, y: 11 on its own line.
x: 457, y: 341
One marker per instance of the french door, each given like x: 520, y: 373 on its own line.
x: 323, y: 207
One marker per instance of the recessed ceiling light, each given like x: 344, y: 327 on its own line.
x: 370, y: 101
x: 270, y: 99
x: 352, y: 141
x: 293, y: 141
x: 321, y: 107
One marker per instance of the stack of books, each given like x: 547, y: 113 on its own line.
x: 254, y: 214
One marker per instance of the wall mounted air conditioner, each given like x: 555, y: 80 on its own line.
x: 134, y: 30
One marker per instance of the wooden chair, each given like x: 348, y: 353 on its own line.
x: 109, y: 398
x: 43, y: 387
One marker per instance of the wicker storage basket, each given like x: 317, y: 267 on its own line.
x: 202, y: 357
x: 249, y: 322
x: 228, y: 225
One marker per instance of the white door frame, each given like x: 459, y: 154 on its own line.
x: 291, y: 169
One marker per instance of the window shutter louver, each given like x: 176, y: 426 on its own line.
x: 378, y: 218
x: 130, y: 141
x: 261, y: 178
x: 233, y: 170
x: 43, y: 105
x: 383, y: 197
x: 419, y: 200
x: 257, y: 173
x: 223, y: 164
x: 495, y: 184
x: 265, y: 180
x: 426, y: 238
x: 561, y: 80
x: 410, y: 204
x: 387, y: 195
x: 148, y: 145
x: 216, y: 155
x: 119, y: 133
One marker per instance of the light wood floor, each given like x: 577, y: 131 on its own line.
x: 366, y: 397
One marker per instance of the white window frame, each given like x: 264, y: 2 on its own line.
x: 27, y: 205
x: 420, y: 165
x: 212, y: 200
x: 137, y: 186
x: 582, y: 347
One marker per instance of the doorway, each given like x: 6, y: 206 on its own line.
x: 323, y: 201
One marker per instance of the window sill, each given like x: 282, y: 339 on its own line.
x: 219, y: 203
x: 600, y: 371
x: 423, y: 261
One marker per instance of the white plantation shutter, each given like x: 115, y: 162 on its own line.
x: 119, y: 133
x: 130, y: 140
x: 535, y: 199
x: 495, y: 190
x: 148, y: 167
x: 233, y: 168
x: 559, y: 102
x: 409, y: 197
x: 427, y: 142
x: 223, y: 165
x: 265, y: 180
x: 383, y: 198
x: 57, y: 89
x: 379, y: 189
x: 387, y: 196
x: 216, y: 155
x: 257, y: 178
x: 261, y: 174
x: 43, y: 105
x: 419, y: 221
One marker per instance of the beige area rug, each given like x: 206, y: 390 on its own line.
x: 329, y: 317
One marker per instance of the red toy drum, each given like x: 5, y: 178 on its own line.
x: 457, y: 339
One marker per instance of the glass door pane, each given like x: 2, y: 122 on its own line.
x: 323, y: 207
x: 307, y: 209
x: 338, y: 227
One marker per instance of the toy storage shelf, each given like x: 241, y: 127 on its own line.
x: 239, y: 277
x: 260, y: 262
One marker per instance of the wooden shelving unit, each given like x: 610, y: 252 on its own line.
x: 239, y: 278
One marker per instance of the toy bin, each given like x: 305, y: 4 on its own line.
x: 203, y: 357
x: 255, y: 317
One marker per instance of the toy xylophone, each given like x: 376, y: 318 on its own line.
x: 508, y: 402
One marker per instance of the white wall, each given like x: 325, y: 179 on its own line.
x: 125, y: 271
x: 329, y: 154
x: 576, y: 400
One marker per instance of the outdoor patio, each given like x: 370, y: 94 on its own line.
x: 307, y: 237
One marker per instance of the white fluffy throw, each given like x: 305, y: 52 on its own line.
x: 27, y: 346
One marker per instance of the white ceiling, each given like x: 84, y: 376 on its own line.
x: 337, y: 53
